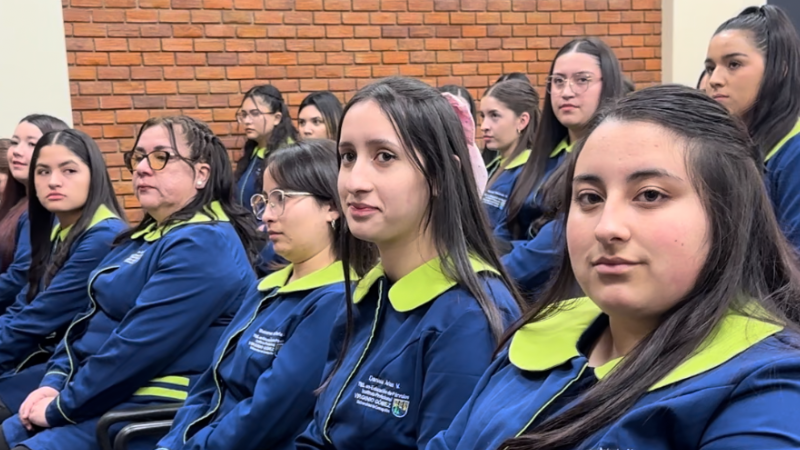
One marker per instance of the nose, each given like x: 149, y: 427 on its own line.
x: 355, y: 179
x: 268, y: 216
x: 567, y: 93
x: 16, y: 150
x: 715, y: 79
x: 143, y: 168
x: 484, y: 125
x: 54, y: 180
x: 612, y: 226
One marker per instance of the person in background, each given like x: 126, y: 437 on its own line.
x: 160, y: 300
x: 421, y: 327
x: 15, y: 247
x: 584, y: 76
x: 267, y: 126
x: 272, y: 355
x: 685, y: 339
x: 319, y: 116
x: 461, y: 107
x: 753, y: 66
x: 70, y: 184
x: 5, y: 144
x: 510, y: 115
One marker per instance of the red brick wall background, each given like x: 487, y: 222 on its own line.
x: 130, y: 59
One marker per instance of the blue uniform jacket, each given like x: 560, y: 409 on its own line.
x: 496, y: 195
x: 783, y: 184
x: 530, y: 263
x: 740, y: 390
x: 16, y: 275
x: 159, y: 304
x: 31, y: 329
x: 418, y: 348
x: 260, y: 391
x: 246, y: 185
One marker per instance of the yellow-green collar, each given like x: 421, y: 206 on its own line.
x: 334, y: 273
x: 562, y: 146
x: 795, y: 131
x: 212, y: 212
x: 100, y: 215
x: 260, y: 152
x: 519, y: 160
x: 543, y: 345
x: 421, y: 286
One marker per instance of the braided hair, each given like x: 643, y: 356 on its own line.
x: 208, y: 148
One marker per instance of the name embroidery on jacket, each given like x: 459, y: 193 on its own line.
x: 495, y: 199
x: 382, y: 396
x: 266, y: 342
x: 135, y: 257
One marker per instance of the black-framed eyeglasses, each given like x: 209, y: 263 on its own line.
x: 578, y: 82
x: 242, y: 115
x: 157, y: 159
x: 275, y: 200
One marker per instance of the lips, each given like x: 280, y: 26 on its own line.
x: 567, y: 105
x: 613, y: 265
x: 55, y: 196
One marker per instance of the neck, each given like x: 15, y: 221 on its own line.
x: 506, y: 153
x: 619, y: 339
x: 319, y: 261
x: 574, y: 134
x: 402, y: 257
x: 262, y: 141
x: 68, y: 218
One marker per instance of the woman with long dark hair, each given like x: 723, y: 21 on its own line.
x: 753, y: 67
x: 419, y: 328
x: 264, y: 116
x: 319, y: 115
x: 274, y: 350
x: 585, y: 74
x: 15, y: 248
x: 159, y: 301
x: 688, y: 335
x: 69, y: 182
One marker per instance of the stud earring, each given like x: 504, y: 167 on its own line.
x: 333, y: 225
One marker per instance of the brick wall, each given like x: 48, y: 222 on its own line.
x: 132, y: 59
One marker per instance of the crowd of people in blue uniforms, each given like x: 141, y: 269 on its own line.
x: 621, y: 274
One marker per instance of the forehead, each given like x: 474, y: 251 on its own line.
x: 56, y: 153
x: 489, y: 103
x: 731, y: 41
x: 366, y: 121
x: 616, y: 149
x: 26, y: 130
x: 310, y: 111
x: 574, y: 62
x: 158, y: 136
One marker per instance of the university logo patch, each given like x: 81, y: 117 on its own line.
x: 399, y: 407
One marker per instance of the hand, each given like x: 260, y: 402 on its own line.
x: 38, y: 414
x: 33, y: 398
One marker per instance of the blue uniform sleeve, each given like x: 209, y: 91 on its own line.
x: 24, y: 328
x: 784, y: 187
x: 16, y: 275
x: 192, y: 286
x: 454, y: 362
x: 284, y: 394
x: 57, y: 368
x: 448, y: 439
x: 196, y: 405
x: 761, y: 413
x: 530, y: 262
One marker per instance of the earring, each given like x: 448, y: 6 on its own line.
x: 199, y: 184
x: 333, y: 225
x: 519, y: 132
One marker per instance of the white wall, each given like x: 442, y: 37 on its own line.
x: 687, y: 27
x: 33, y: 62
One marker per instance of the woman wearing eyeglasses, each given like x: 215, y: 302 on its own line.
x: 160, y: 300
x: 259, y: 391
x: 265, y: 119
x: 584, y: 76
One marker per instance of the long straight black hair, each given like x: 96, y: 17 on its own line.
x: 749, y: 259
x: 283, y: 132
x: 13, y: 203
x: 208, y: 148
x: 777, y: 107
x: 328, y: 105
x: 433, y: 137
x: 311, y: 166
x: 551, y: 132
x: 101, y: 192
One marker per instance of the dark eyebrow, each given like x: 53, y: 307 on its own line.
x: 635, y: 176
x: 377, y: 142
x: 728, y: 56
x: 157, y: 148
x: 63, y: 164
